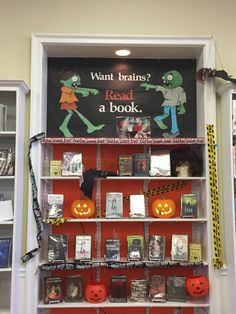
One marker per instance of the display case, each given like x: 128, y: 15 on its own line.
x: 12, y: 126
x: 103, y: 154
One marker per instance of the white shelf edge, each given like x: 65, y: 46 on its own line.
x: 74, y: 220
x: 10, y: 222
x: 5, y: 270
x: 107, y: 304
x: 124, y: 178
x: 7, y: 177
x: 7, y: 133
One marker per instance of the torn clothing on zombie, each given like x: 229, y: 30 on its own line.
x: 173, y: 96
x: 68, y: 99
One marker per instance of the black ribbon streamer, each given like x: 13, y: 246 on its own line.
x: 35, y: 203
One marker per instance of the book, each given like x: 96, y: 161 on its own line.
x: 138, y: 290
x: 160, y: 164
x: 55, y: 168
x: 125, y: 165
x: 112, y: 250
x: 3, y: 161
x: 72, y: 164
x: 157, y: 288
x: 114, y: 205
x: 135, y: 247
x: 118, y: 288
x: 156, y: 248
x: 137, y: 206
x: 6, y: 210
x: 7, y: 160
x: 141, y: 165
x: 195, y: 252
x: 3, y: 117
x: 1, y: 197
x: 133, y: 127
x: 189, y: 206
x: 179, y: 247
x: 176, y: 288
x: 57, y: 247
x: 55, y: 204
x: 83, y: 247
x: 74, y: 288
x: 53, y: 290
x: 5, y: 252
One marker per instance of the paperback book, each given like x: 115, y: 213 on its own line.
x: 125, y: 165
x: 118, y: 288
x: 176, y: 288
x: 5, y: 252
x: 137, y: 206
x: 195, y: 252
x: 160, y: 164
x: 157, y: 288
x: 57, y: 248
x: 7, y: 158
x: 55, y: 168
x: 72, y: 164
x: 189, y: 206
x: 179, y: 247
x: 53, y: 290
x: 135, y: 247
x: 3, y: 117
x: 114, y: 205
x: 133, y: 127
x: 141, y: 165
x: 74, y: 288
x: 55, y: 204
x: 138, y: 290
x: 83, y: 247
x: 112, y: 250
x: 156, y: 248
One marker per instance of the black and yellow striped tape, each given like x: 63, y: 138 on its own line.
x: 211, y: 146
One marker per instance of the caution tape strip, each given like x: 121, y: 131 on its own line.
x: 211, y: 145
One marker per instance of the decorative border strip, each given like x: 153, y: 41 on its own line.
x: 120, y: 141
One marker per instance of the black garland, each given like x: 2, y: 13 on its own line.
x: 35, y: 203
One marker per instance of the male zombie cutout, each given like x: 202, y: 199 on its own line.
x: 174, y: 100
x: 68, y: 101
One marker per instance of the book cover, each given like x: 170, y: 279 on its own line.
x: 83, y: 247
x: 141, y: 165
x: 118, y: 288
x: 53, y: 290
x: 125, y: 165
x: 138, y: 290
x: 160, y: 164
x: 189, y: 206
x: 1, y: 197
x: 195, y: 252
x: 133, y: 127
x: 55, y: 168
x: 55, y: 204
x: 137, y: 206
x: 112, y: 250
x: 8, y: 169
x: 179, y: 247
x: 176, y: 288
x: 135, y: 247
x: 157, y: 288
x: 72, y: 164
x: 57, y: 247
x: 114, y: 205
x: 3, y: 117
x: 6, y: 210
x: 3, y: 160
x: 74, y: 288
x: 5, y: 252
x: 156, y: 248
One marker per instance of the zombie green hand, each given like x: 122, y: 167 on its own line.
x: 94, y: 91
x: 148, y: 86
x: 181, y: 109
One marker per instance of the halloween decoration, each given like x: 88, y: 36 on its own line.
x: 163, y: 208
x: 89, y: 176
x: 186, y: 162
x: 95, y: 292
x: 82, y: 208
x: 204, y: 73
x: 197, y: 286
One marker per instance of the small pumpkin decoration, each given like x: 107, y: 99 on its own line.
x: 95, y: 293
x: 197, y: 286
x: 82, y: 208
x: 163, y: 208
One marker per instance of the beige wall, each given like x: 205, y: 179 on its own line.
x: 20, y: 18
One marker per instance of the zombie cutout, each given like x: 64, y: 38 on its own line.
x: 174, y: 100
x: 68, y: 101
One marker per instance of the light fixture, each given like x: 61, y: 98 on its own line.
x: 123, y: 52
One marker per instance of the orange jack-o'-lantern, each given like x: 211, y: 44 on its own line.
x: 95, y: 292
x: 197, y: 286
x: 163, y: 208
x: 83, y: 208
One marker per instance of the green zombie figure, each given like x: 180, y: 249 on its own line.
x: 68, y: 101
x: 174, y: 100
